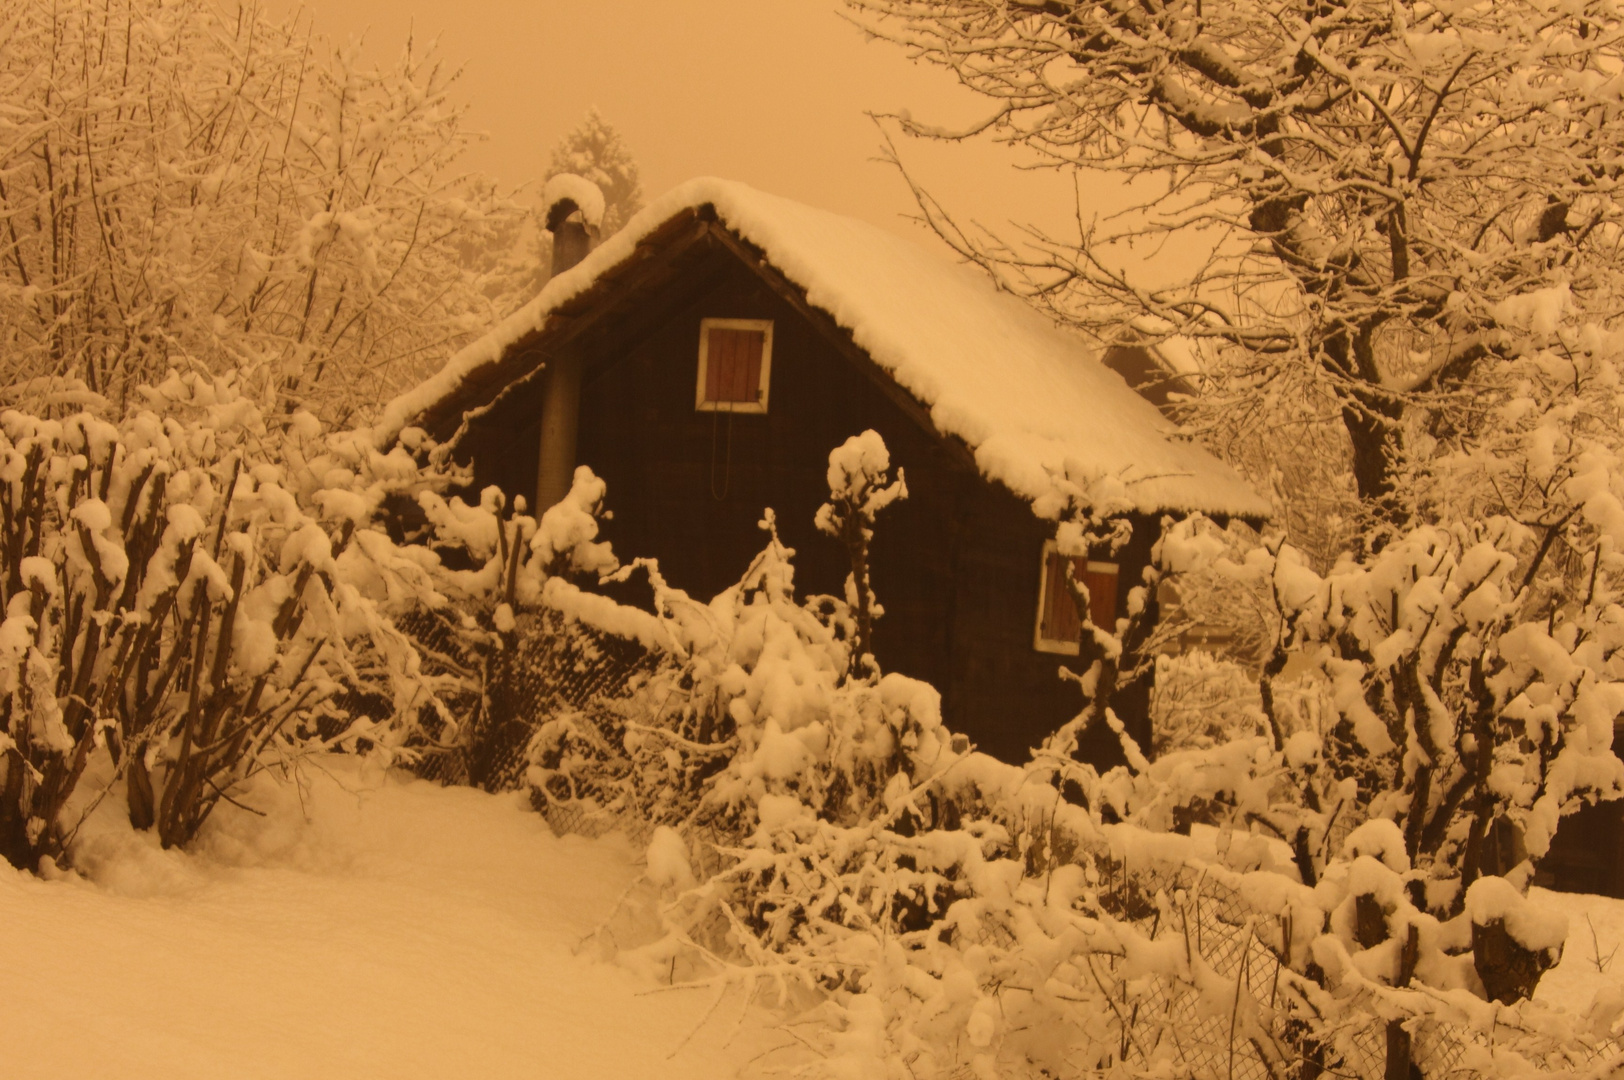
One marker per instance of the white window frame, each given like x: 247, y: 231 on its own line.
x: 701, y: 403
x: 1054, y: 645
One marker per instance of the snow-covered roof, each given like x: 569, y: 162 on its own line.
x: 1028, y: 398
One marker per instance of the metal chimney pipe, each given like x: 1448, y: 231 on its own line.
x: 573, y: 238
x: 560, y: 422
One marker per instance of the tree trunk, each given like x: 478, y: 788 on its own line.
x: 1371, y: 419
x: 1373, y: 438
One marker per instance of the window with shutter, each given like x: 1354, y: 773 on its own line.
x: 1059, y: 628
x: 735, y: 361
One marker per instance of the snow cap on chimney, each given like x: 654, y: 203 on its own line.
x: 567, y: 194
x: 574, y: 213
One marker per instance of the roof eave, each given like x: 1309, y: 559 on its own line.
x: 571, y: 317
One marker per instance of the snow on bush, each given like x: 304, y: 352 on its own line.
x: 514, y: 631
x: 1464, y: 700
x: 1291, y: 897
x: 193, y: 594
x: 859, y: 489
x: 764, y: 697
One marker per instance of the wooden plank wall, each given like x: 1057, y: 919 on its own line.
x: 956, y: 565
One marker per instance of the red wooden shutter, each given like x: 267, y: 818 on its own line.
x: 1060, y: 622
x: 1059, y: 613
x: 733, y: 365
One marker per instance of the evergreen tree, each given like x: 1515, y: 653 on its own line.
x: 595, y: 150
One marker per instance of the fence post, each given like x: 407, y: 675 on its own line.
x: 1399, y: 1065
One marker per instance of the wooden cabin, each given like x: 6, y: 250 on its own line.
x: 706, y: 359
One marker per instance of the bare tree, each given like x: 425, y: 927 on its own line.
x: 186, y: 185
x: 1390, y: 201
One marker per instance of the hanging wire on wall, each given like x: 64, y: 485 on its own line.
x: 727, y: 462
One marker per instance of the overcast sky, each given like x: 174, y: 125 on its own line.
x: 770, y: 92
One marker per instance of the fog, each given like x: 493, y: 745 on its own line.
x: 777, y: 95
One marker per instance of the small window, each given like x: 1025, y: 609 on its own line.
x: 735, y: 361
x: 1058, y: 628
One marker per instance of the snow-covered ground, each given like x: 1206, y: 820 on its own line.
x: 369, y: 926
x: 1593, y: 957
x: 373, y: 926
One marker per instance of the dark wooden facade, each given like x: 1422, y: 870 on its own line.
x: 956, y: 565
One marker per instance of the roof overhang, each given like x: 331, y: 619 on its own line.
x: 654, y: 261
x: 1002, y: 389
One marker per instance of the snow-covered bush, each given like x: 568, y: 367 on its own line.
x: 1200, y: 701
x: 509, y: 633
x: 859, y: 488
x: 1093, y: 520
x: 755, y: 675
x: 1463, y: 700
x: 190, y: 594
x: 1457, y: 680
x: 1452, y: 712
x: 1258, y: 904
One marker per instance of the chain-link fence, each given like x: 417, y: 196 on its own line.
x: 548, y: 666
